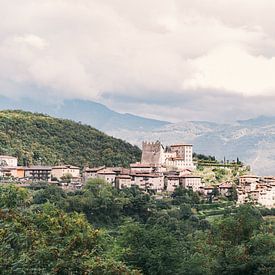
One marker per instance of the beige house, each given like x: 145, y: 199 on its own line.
x: 267, y: 197
x: 193, y: 182
x: 8, y: 172
x: 154, y: 182
x: 225, y: 189
x: 248, y: 179
x: 144, y: 168
x: 108, y: 175
x: 60, y: 171
x: 8, y: 161
x: 263, y: 194
x: 172, y: 182
x: 91, y: 173
x: 206, y: 190
x: 123, y: 181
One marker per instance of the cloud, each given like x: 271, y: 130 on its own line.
x: 233, y: 69
x: 147, y: 49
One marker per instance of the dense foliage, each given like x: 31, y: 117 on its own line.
x: 101, y: 230
x: 37, y: 138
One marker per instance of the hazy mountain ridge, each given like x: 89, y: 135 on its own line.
x: 88, y: 112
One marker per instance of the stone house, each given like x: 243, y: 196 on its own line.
x: 60, y: 171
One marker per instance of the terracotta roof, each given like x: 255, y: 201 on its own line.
x: 209, y: 187
x: 143, y: 165
x: 106, y: 171
x: 65, y: 167
x: 146, y: 175
x: 94, y: 169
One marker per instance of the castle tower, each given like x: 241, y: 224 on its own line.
x: 152, y: 153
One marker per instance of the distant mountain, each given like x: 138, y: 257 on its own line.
x: 41, y: 139
x: 88, y: 112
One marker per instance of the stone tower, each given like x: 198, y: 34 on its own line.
x: 152, y: 153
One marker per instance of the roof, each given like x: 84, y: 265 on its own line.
x: 108, y: 171
x: 8, y: 168
x: 147, y: 175
x: 65, y: 167
x: 173, y: 177
x: 123, y: 177
x: 142, y: 165
x: 225, y: 185
x: 208, y: 187
x: 189, y: 176
x: 7, y: 157
x: 94, y: 169
x: 249, y: 176
x: 180, y: 144
x: 38, y: 168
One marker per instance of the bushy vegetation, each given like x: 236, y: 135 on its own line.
x: 40, y: 139
x: 101, y: 230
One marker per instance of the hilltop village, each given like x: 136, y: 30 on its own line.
x: 160, y: 171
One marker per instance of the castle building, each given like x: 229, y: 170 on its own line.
x: 176, y: 156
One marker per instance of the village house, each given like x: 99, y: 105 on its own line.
x: 191, y: 182
x: 225, y: 189
x: 8, y: 161
x: 91, y: 173
x: 260, y: 192
x: 59, y: 172
x: 108, y: 175
x: 123, y: 181
x: 267, y: 196
x: 154, y: 182
x: 172, y: 182
x: 38, y: 173
x: 248, y: 179
x: 206, y: 190
x: 144, y: 168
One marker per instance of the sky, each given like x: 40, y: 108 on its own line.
x: 168, y: 59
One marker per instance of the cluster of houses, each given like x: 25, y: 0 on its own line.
x: 9, y: 168
x: 160, y: 169
x: 258, y: 190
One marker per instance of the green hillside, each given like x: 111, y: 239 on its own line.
x: 40, y: 139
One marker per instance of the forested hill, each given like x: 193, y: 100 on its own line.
x: 41, y: 139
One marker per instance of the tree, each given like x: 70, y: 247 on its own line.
x: 67, y: 178
x: 49, y: 241
x: 12, y: 196
x: 152, y: 249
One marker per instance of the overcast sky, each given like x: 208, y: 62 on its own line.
x: 169, y: 59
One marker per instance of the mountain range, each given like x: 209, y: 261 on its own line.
x: 84, y: 111
x: 252, y: 140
